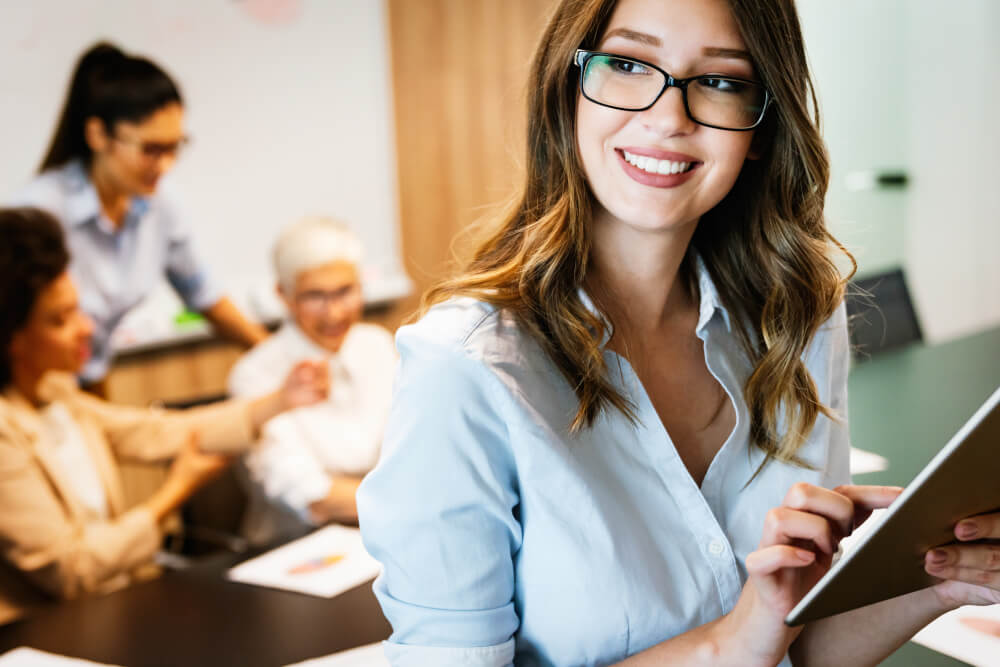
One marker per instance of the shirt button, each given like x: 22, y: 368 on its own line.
x: 716, y: 548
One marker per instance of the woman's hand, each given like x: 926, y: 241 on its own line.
x: 796, y: 549
x: 971, y: 569
x: 308, y: 382
x: 190, y: 470
x: 193, y: 468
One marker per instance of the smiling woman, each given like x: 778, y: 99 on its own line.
x: 619, y: 434
x: 120, y: 132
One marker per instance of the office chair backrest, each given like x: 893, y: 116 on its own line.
x: 880, y: 314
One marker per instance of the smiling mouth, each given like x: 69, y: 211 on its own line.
x: 651, y: 165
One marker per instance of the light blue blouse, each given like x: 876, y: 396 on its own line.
x: 115, y: 269
x: 504, y: 538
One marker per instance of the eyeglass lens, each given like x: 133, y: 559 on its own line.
x: 155, y: 149
x: 321, y: 299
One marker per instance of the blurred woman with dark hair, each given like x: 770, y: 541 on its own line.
x: 120, y: 131
x: 64, y: 529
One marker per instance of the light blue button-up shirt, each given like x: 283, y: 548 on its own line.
x: 504, y: 538
x: 115, y: 269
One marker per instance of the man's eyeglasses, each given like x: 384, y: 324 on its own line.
x: 317, y: 301
x: 154, y: 150
x: 722, y: 102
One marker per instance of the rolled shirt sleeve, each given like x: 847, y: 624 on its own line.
x: 438, y: 512
x: 186, y: 270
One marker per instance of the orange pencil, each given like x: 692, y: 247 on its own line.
x: 316, y: 564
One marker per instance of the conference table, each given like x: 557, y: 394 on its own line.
x: 195, y: 617
x: 903, y: 404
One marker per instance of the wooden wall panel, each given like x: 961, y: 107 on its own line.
x: 459, y: 72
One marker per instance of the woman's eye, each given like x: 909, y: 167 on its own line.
x: 629, y: 67
x: 722, y: 85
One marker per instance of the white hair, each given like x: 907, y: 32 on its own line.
x: 312, y: 242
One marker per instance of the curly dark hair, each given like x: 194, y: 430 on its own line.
x: 32, y: 254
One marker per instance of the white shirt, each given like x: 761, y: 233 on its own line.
x: 75, y: 458
x: 504, y: 537
x: 300, y: 451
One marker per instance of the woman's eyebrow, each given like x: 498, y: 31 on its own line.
x: 719, y: 52
x: 653, y: 40
x: 635, y: 36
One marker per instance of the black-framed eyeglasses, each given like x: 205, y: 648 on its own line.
x: 712, y: 100
x: 154, y: 150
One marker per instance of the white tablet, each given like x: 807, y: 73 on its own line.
x: 888, y: 560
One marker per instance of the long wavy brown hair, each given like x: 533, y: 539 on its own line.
x: 765, y: 244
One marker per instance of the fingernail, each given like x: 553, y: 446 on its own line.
x: 804, y: 555
x: 966, y: 530
x: 938, y: 556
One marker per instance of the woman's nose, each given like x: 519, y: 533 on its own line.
x: 668, y: 116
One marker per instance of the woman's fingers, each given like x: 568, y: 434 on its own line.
x: 834, y: 506
x: 868, y: 498
x: 769, y: 560
x: 984, y: 526
x: 968, y: 575
x: 978, y: 556
x: 783, y: 525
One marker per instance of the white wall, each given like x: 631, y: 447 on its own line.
x: 952, y: 245
x: 910, y: 84
x: 856, y: 56
x: 288, y: 104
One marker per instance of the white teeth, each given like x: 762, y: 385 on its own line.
x: 654, y: 166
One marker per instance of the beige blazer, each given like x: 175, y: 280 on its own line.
x: 51, y: 545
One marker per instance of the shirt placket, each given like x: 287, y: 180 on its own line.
x: 713, y: 545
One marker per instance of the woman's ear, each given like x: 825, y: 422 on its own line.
x: 763, y: 136
x: 15, y: 348
x: 95, y: 133
x: 285, y: 298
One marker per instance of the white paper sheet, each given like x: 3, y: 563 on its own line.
x: 30, y: 657
x: 324, y: 563
x: 951, y: 635
x: 863, y: 461
x: 365, y: 656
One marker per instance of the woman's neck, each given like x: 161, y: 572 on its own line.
x: 633, y: 275
x: 25, y: 381
x: 114, y: 202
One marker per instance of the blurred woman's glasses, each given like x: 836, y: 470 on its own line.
x: 154, y: 150
x: 317, y: 301
x: 713, y: 100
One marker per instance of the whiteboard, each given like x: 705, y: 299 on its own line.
x: 288, y: 104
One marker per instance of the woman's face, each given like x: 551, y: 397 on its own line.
x: 134, y: 156
x: 685, y: 38
x: 57, y: 334
x: 326, y: 303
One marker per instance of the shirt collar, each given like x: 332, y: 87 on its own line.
x: 83, y: 204
x: 709, y: 294
x: 710, y: 301
x: 304, y: 347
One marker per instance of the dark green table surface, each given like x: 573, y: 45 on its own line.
x: 906, y: 404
